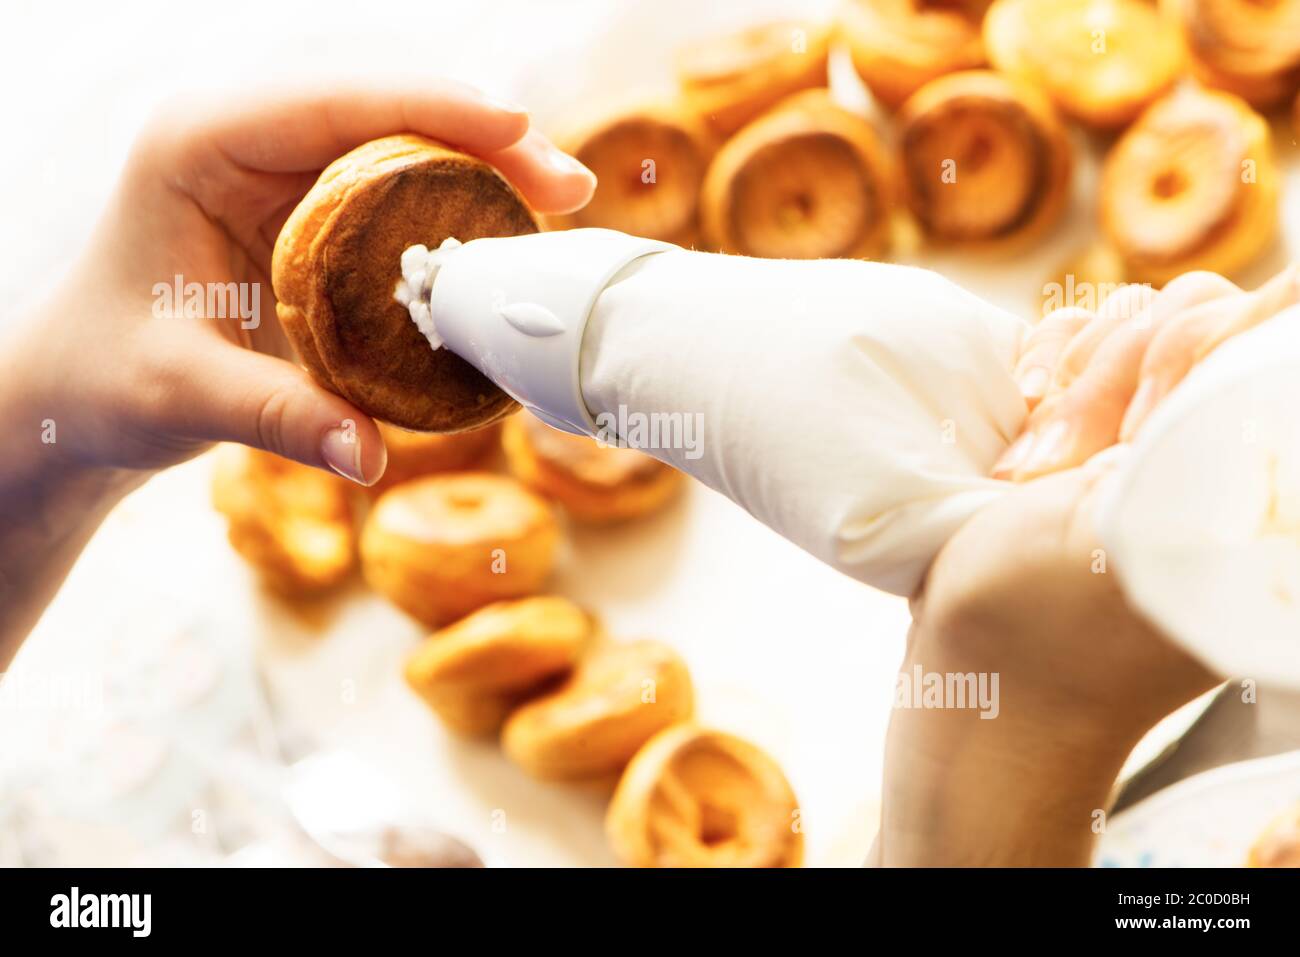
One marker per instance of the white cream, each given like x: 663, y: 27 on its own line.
x: 419, y: 269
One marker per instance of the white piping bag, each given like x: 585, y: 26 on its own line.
x: 857, y: 409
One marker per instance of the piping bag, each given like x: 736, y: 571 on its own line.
x: 857, y: 409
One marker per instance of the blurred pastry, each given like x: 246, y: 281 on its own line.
x: 900, y: 45
x: 413, y: 454
x: 337, y: 265
x: 1193, y: 184
x: 984, y: 159
x: 1101, y: 61
x: 293, y: 523
x: 619, y: 696
x: 472, y: 673
x: 808, y: 180
x: 441, y: 546
x: 731, y: 79
x: 692, y: 797
x: 1247, y: 47
x: 649, y: 161
x: 593, y: 483
x: 1279, y: 845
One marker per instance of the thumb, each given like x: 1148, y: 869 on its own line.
x: 273, y: 405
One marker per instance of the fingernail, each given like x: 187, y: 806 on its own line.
x: 1013, y: 455
x: 1048, y: 450
x: 341, y: 450
x: 562, y: 162
x: 1034, y: 383
x: 1144, y: 399
x: 505, y: 106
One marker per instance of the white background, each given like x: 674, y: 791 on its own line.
x: 783, y: 650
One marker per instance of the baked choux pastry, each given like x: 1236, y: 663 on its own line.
x: 472, y: 673
x: 1247, y: 47
x: 692, y: 797
x: 1101, y: 61
x: 337, y: 265
x: 1193, y: 184
x: 898, y: 46
x: 1279, y: 845
x: 472, y: 714
x: 731, y: 79
x: 441, y: 546
x: 808, y: 180
x: 619, y: 696
x: 649, y: 162
x: 984, y: 159
x: 413, y: 454
x: 293, y: 523
x: 593, y: 483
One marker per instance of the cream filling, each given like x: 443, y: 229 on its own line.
x: 420, y: 267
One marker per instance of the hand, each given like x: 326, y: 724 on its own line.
x: 1110, y: 372
x: 204, y: 194
x: 1022, y: 592
x: 95, y: 392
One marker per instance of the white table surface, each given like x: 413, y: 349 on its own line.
x: 783, y: 650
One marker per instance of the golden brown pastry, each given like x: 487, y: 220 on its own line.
x: 692, y: 797
x: 1247, y: 47
x: 900, y: 45
x: 294, y: 524
x: 441, y: 546
x: 593, y: 483
x: 472, y: 673
x: 619, y: 696
x: 1101, y: 61
x: 984, y: 159
x: 413, y: 454
x: 1279, y: 845
x: 1193, y: 184
x: 337, y: 263
x: 649, y: 162
x: 807, y: 180
x: 731, y: 79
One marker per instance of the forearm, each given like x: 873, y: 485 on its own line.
x: 1029, y: 787
x: 50, y: 502
x: 45, y: 522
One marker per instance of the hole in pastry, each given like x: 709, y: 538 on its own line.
x: 717, y: 825
x: 464, y: 501
x: 796, y: 209
x: 1168, y: 184
x: 978, y: 151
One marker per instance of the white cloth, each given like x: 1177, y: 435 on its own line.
x: 1202, y: 521
x: 854, y: 407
